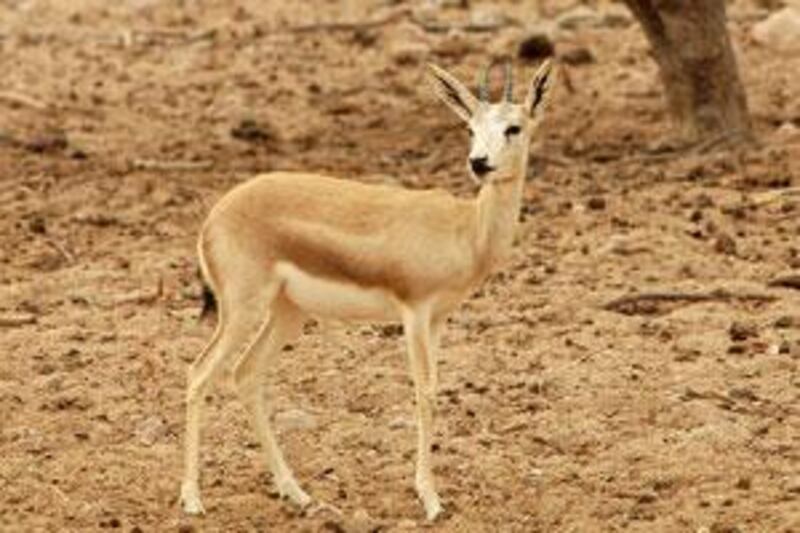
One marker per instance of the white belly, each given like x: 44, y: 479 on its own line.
x: 331, y: 299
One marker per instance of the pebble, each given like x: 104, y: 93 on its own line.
x: 536, y: 47
x: 780, y: 31
x: 740, y: 331
x: 295, y: 419
x: 577, y: 56
x: 596, y: 203
x: 150, y: 430
x: 579, y: 16
x: 408, y: 52
x: 725, y: 244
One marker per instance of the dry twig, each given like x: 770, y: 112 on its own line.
x: 648, y: 303
x: 400, y: 14
x: 788, y: 281
x: 22, y: 100
x: 155, y: 164
x: 772, y: 196
x: 68, y: 256
x: 351, y: 26
x: 142, y: 297
x: 12, y: 321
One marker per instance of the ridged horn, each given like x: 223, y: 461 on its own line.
x: 508, y: 85
x: 483, y: 84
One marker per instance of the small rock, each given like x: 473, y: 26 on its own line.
x: 647, y: 497
x: 360, y: 522
x: 579, y: 16
x: 295, y: 419
x: 780, y: 31
x: 737, y: 349
x: 248, y: 130
x: 150, y: 430
x: 400, y: 423
x: 389, y: 331
x: 785, y: 322
x: 577, y: 56
x: 487, y: 17
x: 787, y: 132
x: 725, y: 244
x: 536, y: 47
x: 455, y: 44
x: 596, y: 203
x: 615, y: 16
x: 744, y: 483
x: 740, y: 331
x: 408, y: 52
x: 37, y: 225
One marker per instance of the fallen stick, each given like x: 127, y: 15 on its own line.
x: 68, y: 256
x: 789, y: 281
x: 13, y: 321
x: 22, y: 100
x: 351, y: 26
x: 429, y: 26
x: 647, y: 303
x: 772, y: 196
x: 155, y: 164
x: 142, y: 297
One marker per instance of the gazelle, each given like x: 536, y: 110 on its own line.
x: 286, y: 246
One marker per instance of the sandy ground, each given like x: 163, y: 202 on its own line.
x: 554, y: 414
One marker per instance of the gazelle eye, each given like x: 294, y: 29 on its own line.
x: 512, y: 130
x: 471, y: 133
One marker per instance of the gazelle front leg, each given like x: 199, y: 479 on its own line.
x: 437, y: 323
x: 417, y: 325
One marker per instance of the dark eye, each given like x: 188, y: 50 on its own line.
x: 470, y: 132
x: 512, y: 130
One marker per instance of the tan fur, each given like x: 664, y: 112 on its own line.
x: 285, y: 246
x: 354, y: 233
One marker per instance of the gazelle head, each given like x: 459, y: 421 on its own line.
x: 500, y: 132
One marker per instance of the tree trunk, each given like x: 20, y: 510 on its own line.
x: 691, y: 45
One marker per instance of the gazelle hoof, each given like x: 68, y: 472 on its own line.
x: 290, y: 490
x: 190, y: 501
x: 433, y: 509
x: 430, y: 499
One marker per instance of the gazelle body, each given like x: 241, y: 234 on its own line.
x: 287, y: 246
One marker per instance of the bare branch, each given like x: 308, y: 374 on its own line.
x: 649, y: 303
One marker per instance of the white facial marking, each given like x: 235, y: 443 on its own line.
x: 492, y: 139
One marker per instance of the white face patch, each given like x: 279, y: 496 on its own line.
x: 499, y: 134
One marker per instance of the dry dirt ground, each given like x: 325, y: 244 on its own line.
x: 554, y: 413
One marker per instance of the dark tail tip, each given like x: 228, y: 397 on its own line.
x: 209, y: 302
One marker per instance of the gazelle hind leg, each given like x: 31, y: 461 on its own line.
x: 233, y: 330
x: 283, y: 326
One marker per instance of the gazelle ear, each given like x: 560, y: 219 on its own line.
x: 539, y: 91
x: 452, y: 92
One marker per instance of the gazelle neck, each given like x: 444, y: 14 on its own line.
x: 498, y: 206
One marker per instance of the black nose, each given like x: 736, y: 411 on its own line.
x: 480, y: 165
